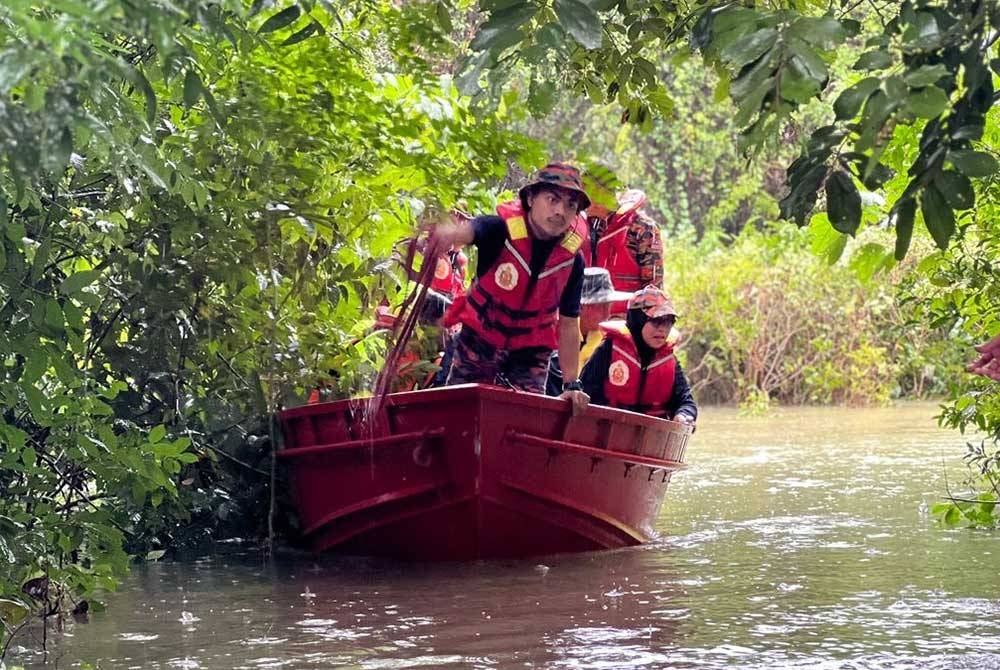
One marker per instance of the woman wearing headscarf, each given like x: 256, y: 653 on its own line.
x: 634, y: 368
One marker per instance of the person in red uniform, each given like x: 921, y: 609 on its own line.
x: 525, y: 299
x: 627, y: 243
x: 634, y: 368
x: 451, y: 267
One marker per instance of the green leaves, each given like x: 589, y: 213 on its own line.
x: 77, y: 281
x: 311, y: 28
x: 825, y: 32
x: 139, y: 80
x: 938, y: 74
x: 957, y: 190
x: 938, y: 217
x: 874, y: 60
x: 749, y: 48
x: 280, y: 20
x: 285, y: 18
x: 973, y: 163
x: 925, y: 75
x: 928, y: 102
x: 501, y: 29
x: 178, y: 269
x: 541, y: 97
x: 904, y: 213
x: 805, y: 177
x: 192, y: 88
x: 581, y: 22
x: 157, y: 433
x: 843, y: 202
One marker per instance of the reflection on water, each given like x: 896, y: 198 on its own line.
x: 796, y: 541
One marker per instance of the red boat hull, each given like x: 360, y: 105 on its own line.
x: 467, y: 472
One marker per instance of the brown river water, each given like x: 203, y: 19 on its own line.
x: 801, y: 540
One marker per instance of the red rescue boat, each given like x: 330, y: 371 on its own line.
x: 475, y: 471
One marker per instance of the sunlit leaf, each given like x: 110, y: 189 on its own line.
x: 77, y: 281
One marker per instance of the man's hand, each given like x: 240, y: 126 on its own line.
x: 449, y: 230
x: 579, y: 399
x: 988, y: 363
x: 686, y: 419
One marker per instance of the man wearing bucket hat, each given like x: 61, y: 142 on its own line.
x: 525, y: 299
x: 634, y: 367
x: 597, y: 297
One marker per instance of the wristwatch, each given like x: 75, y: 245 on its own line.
x: 575, y: 385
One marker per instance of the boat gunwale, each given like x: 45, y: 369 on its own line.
x: 485, y: 391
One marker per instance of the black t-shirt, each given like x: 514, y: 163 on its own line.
x: 490, y: 235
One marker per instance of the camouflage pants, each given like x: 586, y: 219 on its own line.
x: 475, y: 361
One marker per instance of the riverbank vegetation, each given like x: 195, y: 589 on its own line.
x: 199, y: 199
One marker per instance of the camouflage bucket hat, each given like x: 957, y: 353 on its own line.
x: 561, y: 175
x: 653, y: 302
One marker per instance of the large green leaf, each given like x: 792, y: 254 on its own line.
x: 285, y: 17
x: 303, y: 34
x: 192, y: 88
x: 925, y: 75
x: 749, y: 48
x: 938, y: 217
x: 502, y: 27
x: 877, y: 110
x: 928, y: 102
x: 581, y: 22
x: 905, y: 211
x: 870, y: 259
x: 824, y: 241
x: 874, y: 60
x: 810, y: 60
x: 923, y: 32
x: 798, y: 204
x: 973, y: 163
x: 957, y: 189
x: 77, y: 281
x: 797, y: 83
x: 843, y: 202
x: 849, y: 102
x: 823, y: 31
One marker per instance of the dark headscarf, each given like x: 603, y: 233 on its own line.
x: 635, y: 319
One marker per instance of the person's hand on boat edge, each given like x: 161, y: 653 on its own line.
x: 685, y: 419
x: 988, y: 363
x: 579, y: 399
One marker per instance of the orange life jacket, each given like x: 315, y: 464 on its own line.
x: 630, y: 385
x: 505, y: 306
x: 449, y: 274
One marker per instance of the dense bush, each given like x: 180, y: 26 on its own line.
x: 764, y: 321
